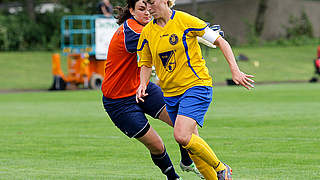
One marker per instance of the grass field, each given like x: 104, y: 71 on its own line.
x: 269, y: 133
x: 32, y: 70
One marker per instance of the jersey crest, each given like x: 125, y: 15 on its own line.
x: 168, y: 60
x: 173, y: 39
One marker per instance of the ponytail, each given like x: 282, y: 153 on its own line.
x: 123, y: 14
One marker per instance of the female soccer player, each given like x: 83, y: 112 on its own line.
x: 170, y: 43
x: 121, y: 82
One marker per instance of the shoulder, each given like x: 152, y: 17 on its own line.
x: 189, y: 21
x: 186, y: 16
x: 133, y: 25
x: 182, y: 15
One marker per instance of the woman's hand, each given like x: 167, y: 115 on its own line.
x: 243, y: 79
x: 140, y: 93
x: 238, y: 77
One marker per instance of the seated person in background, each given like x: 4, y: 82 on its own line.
x: 105, y: 8
x: 317, y: 68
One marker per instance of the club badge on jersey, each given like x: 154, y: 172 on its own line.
x: 173, y: 39
x: 168, y: 60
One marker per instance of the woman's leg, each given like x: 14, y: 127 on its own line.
x: 158, y: 153
x: 154, y: 105
x: 186, y: 163
x: 206, y: 170
x: 152, y: 141
x: 164, y: 116
x: 184, y: 134
x: 188, y: 111
x: 131, y: 120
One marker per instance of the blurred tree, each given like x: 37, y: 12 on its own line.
x: 259, y: 22
x: 86, y: 6
x: 80, y: 6
x: 29, y: 4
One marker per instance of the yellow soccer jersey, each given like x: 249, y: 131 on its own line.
x: 175, y: 52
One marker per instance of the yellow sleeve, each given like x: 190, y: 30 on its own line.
x: 144, y: 53
x: 194, y: 25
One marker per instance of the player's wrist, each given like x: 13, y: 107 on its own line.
x: 143, y: 85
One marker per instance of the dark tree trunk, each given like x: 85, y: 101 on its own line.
x: 29, y: 8
x: 259, y: 23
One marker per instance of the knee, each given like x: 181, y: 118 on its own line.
x: 181, y: 137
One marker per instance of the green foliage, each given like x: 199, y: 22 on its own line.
x: 21, y: 33
x: 12, y: 31
x: 299, y: 32
x: 253, y: 37
x: 4, y: 42
x: 18, y: 32
x: 82, y: 7
x: 295, y: 41
x: 299, y: 26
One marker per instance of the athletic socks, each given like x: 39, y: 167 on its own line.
x: 205, y: 169
x: 164, y: 163
x: 197, y: 146
x: 185, y: 158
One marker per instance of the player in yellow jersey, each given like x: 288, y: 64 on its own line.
x: 169, y: 42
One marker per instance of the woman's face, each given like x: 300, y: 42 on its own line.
x: 140, y: 12
x: 155, y: 7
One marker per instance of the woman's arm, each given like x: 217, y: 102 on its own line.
x: 237, y: 76
x: 145, y: 74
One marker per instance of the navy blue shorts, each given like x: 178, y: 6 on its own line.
x: 129, y: 116
x: 193, y: 103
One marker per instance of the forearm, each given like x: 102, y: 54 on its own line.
x: 237, y: 76
x: 145, y: 74
x: 228, y: 54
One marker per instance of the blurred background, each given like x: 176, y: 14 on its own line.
x: 35, y: 24
x: 277, y: 40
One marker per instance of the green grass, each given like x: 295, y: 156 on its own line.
x: 275, y: 63
x: 32, y: 70
x: 27, y: 70
x: 269, y: 133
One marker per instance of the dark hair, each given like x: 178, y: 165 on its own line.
x: 123, y: 12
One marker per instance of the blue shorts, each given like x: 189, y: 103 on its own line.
x: 193, y: 103
x: 129, y: 116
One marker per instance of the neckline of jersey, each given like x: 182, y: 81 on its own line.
x: 164, y: 27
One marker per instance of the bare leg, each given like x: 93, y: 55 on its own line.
x: 152, y: 141
x: 158, y: 153
x: 164, y: 116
